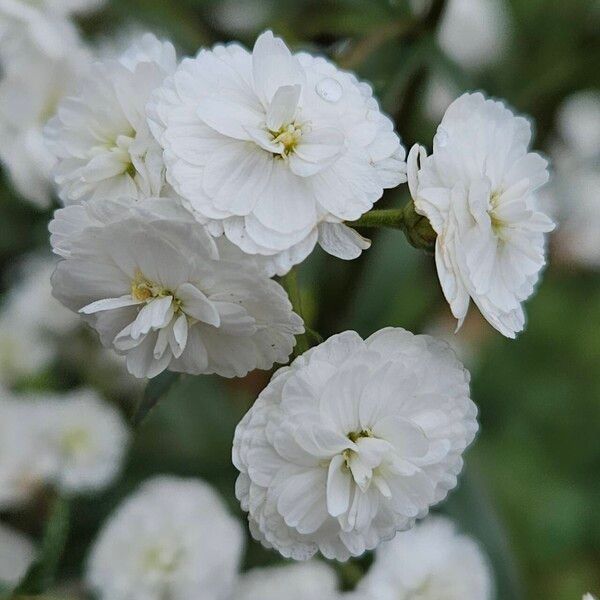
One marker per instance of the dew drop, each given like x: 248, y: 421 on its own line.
x: 441, y: 137
x: 329, y: 89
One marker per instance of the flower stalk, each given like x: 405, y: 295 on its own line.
x: 416, y: 228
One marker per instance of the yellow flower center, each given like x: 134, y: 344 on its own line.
x: 289, y: 136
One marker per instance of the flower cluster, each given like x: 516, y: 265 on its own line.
x: 186, y: 187
x: 75, y: 442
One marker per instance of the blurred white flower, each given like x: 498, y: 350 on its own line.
x: 430, y: 562
x: 101, y: 137
x: 475, y: 33
x: 84, y: 440
x: 22, y: 466
x: 73, y: 441
x: 172, y: 539
x: 300, y: 581
x: 41, y: 24
x: 353, y: 442
x: 589, y: 597
x: 24, y: 352
x: 32, y: 85
x: 440, y: 92
x: 32, y: 322
x: 157, y: 291
x: 579, y: 124
x: 478, y: 190
x: 17, y: 553
x: 275, y: 150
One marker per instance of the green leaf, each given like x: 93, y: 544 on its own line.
x: 42, y: 573
x: 155, y: 390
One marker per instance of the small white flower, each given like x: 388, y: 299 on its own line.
x: 31, y: 322
x: 275, y: 150
x: 41, y: 24
x: 172, y: 539
x: 101, y: 137
x: 579, y: 124
x: 589, y: 597
x: 478, y: 190
x: 17, y: 553
x: 157, y: 291
x: 353, y: 442
x: 430, y: 562
x: 474, y: 33
x: 74, y: 441
x: 83, y: 439
x: 30, y: 90
x: 300, y: 581
x: 22, y: 469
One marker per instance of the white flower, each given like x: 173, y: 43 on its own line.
x: 41, y: 24
x: 32, y: 85
x: 579, y: 124
x: 101, y: 137
x: 17, y: 552
x: 83, y: 439
x: 24, y: 351
x: 430, y: 562
x: 22, y: 469
x: 156, y: 290
x: 31, y: 322
x: 478, y: 190
x: 353, y: 442
x: 275, y: 150
x: 474, y: 33
x: 74, y: 441
x: 172, y: 539
x: 589, y: 597
x: 300, y: 581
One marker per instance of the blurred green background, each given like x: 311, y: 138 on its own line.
x: 531, y: 491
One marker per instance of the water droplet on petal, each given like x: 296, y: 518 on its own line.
x: 441, y: 137
x: 329, y: 89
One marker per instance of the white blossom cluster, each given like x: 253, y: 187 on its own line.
x: 75, y: 442
x: 186, y: 186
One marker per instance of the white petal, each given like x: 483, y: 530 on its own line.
x: 195, y: 304
x: 283, y: 106
x: 339, y: 485
x: 108, y: 304
x: 342, y: 241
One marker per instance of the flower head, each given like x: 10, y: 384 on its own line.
x: 40, y: 23
x: 430, y: 562
x: 83, y: 439
x: 174, y: 539
x: 101, y: 138
x: 353, y: 442
x: 275, y: 150
x: 75, y: 442
x: 157, y: 291
x: 478, y: 190
x: 17, y: 552
x: 30, y: 90
x: 300, y: 581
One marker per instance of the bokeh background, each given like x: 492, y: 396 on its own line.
x: 531, y: 489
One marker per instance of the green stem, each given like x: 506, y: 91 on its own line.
x: 391, y: 218
x: 416, y: 227
x: 290, y: 284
